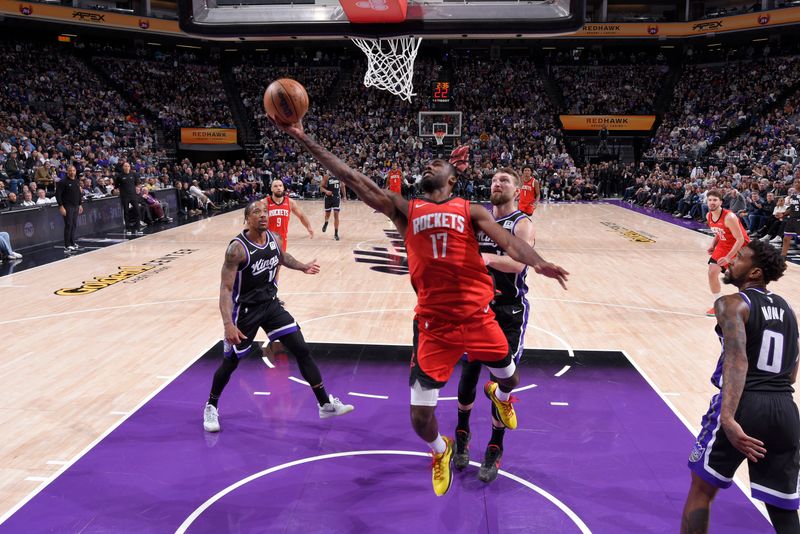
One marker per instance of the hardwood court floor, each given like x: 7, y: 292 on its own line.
x: 74, y: 365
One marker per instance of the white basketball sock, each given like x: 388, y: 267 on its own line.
x: 438, y: 445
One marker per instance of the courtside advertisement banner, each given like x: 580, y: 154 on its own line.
x: 632, y: 123
x: 208, y: 136
x: 88, y: 17
x: 748, y: 21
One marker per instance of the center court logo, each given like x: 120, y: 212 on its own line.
x: 124, y: 273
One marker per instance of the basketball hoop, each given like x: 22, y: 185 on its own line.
x: 439, y: 136
x: 390, y: 64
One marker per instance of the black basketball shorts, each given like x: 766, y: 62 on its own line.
x: 332, y: 203
x: 269, y: 316
x: 769, y: 417
x: 792, y: 228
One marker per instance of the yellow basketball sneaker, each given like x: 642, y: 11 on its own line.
x: 505, y: 409
x: 442, y: 467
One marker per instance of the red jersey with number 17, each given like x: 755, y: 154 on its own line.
x: 279, y: 217
x: 444, y: 260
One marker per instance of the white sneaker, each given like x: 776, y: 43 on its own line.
x: 778, y: 239
x: 15, y: 256
x: 334, y: 408
x: 211, y: 418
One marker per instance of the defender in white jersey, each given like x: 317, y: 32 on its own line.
x: 248, y: 300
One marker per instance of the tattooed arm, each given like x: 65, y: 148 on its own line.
x: 732, y: 314
x: 234, y: 256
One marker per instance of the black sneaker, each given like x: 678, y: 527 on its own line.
x: 491, y: 463
x: 336, y: 237
x: 325, y: 226
x: 461, y: 456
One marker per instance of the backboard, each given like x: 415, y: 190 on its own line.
x: 430, y: 19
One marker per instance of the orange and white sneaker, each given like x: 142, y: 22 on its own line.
x: 711, y: 312
x: 505, y: 409
x: 442, y: 468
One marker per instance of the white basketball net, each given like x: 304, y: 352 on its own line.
x: 439, y: 136
x: 390, y: 64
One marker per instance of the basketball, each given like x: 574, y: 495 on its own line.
x: 286, y: 101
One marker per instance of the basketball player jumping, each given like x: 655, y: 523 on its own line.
x: 248, y: 300
x: 529, y: 192
x: 280, y: 208
x: 334, y: 191
x: 754, y: 409
x: 453, y: 289
x: 729, y: 237
x: 511, y: 309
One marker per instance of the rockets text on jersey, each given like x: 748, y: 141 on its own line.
x: 447, y: 271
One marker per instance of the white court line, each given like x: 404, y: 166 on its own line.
x: 621, y: 306
x: 203, y: 507
x: 367, y: 395
x: 759, y: 506
x: 524, y: 388
x: 560, y: 340
x: 181, y: 301
x: 559, y: 404
x: 119, y: 413
x: 262, y: 393
x: 56, y: 462
x: 93, y: 444
x: 293, y: 379
x: 37, y: 479
x: 563, y: 370
x: 266, y: 361
x: 448, y: 398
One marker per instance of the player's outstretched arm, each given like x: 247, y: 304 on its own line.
x: 518, y: 249
x: 366, y: 189
x: 234, y: 256
x: 289, y: 261
x: 505, y: 264
x: 732, y: 314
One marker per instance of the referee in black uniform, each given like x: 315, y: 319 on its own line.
x: 70, y: 200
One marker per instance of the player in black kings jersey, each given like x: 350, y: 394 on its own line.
x: 334, y: 191
x: 791, y: 230
x: 754, y: 416
x: 248, y: 300
x: 511, y: 309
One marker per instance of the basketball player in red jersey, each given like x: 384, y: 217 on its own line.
x: 280, y: 208
x: 729, y: 237
x: 529, y: 192
x: 394, y: 181
x: 453, y: 289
